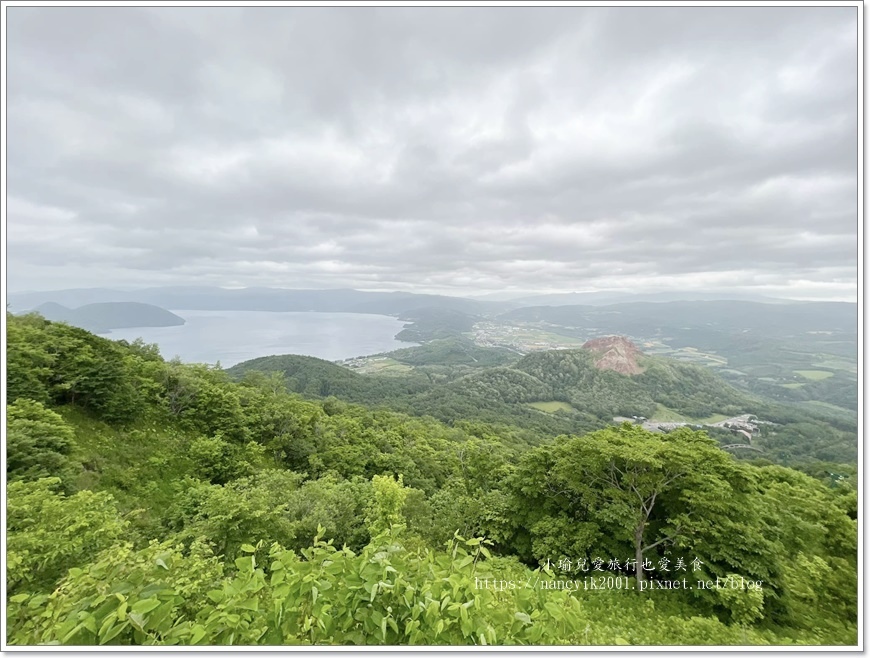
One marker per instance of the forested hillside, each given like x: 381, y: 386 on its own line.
x: 798, y: 352
x: 154, y: 502
x: 562, y: 391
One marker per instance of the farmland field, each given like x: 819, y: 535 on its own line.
x: 552, y: 406
x: 814, y: 375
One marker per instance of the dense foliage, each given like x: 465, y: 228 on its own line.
x: 152, y: 502
x: 436, y: 322
x: 454, y: 380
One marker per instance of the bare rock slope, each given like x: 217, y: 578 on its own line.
x: 617, y: 353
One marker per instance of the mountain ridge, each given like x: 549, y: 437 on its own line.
x: 347, y: 299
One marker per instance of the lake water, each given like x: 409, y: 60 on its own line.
x: 235, y: 336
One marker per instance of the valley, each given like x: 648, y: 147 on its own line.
x: 793, y: 366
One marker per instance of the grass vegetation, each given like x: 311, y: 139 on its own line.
x: 831, y: 407
x: 814, y: 375
x: 384, y: 366
x: 552, y: 406
x: 664, y: 415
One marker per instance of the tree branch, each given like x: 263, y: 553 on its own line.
x: 662, y: 540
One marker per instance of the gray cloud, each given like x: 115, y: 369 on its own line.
x: 456, y: 150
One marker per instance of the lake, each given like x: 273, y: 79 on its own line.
x: 235, y: 336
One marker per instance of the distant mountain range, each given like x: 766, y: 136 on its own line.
x: 609, y: 297
x: 103, y: 317
x: 719, y: 325
x: 645, y: 318
x: 213, y: 298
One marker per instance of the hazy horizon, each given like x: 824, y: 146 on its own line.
x: 686, y: 294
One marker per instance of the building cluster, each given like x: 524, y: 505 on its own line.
x: 745, y: 426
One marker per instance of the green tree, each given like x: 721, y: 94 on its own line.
x: 243, y: 511
x: 650, y: 490
x: 28, y: 360
x: 38, y: 443
x: 218, y: 461
x: 49, y: 533
x: 388, y: 498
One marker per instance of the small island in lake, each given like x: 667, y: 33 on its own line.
x: 103, y: 317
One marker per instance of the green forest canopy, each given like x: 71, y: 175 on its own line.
x: 152, y: 502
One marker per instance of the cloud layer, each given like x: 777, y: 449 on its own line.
x: 454, y: 150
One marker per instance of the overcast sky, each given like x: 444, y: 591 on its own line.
x: 459, y: 151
